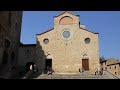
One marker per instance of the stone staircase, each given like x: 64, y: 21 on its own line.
x: 85, y: 75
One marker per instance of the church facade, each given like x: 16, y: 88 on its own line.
x: 67, y: 47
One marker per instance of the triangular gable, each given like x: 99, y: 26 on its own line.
x: 89, y: 31
x: 66, y: 12
x: 45, y: 31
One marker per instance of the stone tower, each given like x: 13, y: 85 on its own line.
x: 10, y: 31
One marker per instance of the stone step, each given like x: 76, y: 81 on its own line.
x: 86, y: 75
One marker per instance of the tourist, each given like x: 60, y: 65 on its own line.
x: 96, y: 71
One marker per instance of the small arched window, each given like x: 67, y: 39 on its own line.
x: 9, y: 18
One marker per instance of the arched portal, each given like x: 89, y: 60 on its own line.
x: 28, y: 66
x: 48, y: 63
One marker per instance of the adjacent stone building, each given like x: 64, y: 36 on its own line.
x: 67, y: 47
x: 112, y: 65
x: 10, y: 30
x: 27, y: 56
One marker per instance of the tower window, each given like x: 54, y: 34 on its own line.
x: 9, y: 18
x: 7, y: 43
x: 16, y: 26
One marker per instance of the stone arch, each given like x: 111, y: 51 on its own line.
x: 66, y: 20
x: 5, y: 57
x: 27, y: 68
x: 49, y: 56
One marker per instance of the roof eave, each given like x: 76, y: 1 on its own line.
x: 89, y: 30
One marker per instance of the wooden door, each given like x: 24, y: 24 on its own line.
x: 85, y: 64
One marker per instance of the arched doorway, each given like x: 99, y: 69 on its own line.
x: 48, y: 63
x: 85, y: 64
x: 27, y: 68
x: 5, y: 57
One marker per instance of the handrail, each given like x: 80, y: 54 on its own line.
x: 112, y: 74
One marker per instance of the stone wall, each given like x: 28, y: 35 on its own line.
x: 27, y: 53
x: 112, y: 65
x: 10, y: 29
x: 114, y: 69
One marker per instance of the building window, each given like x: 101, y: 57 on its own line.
x: 115, y: 73
x: 87, y: 40
x: 9, y: 18
x: 110, y: 67
x: 16, y: 26
x: 7, y: 43
x: 66, y: 34
x: 115, y: 67
x: 46, y: 41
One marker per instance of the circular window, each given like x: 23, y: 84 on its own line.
x: 87, y: 40
x: 46, y: 41
x: 66, y: 34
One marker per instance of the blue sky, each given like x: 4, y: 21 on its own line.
x: 106, y: 23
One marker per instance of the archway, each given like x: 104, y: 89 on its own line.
x: 27, y: 68
x: 48, y: 63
